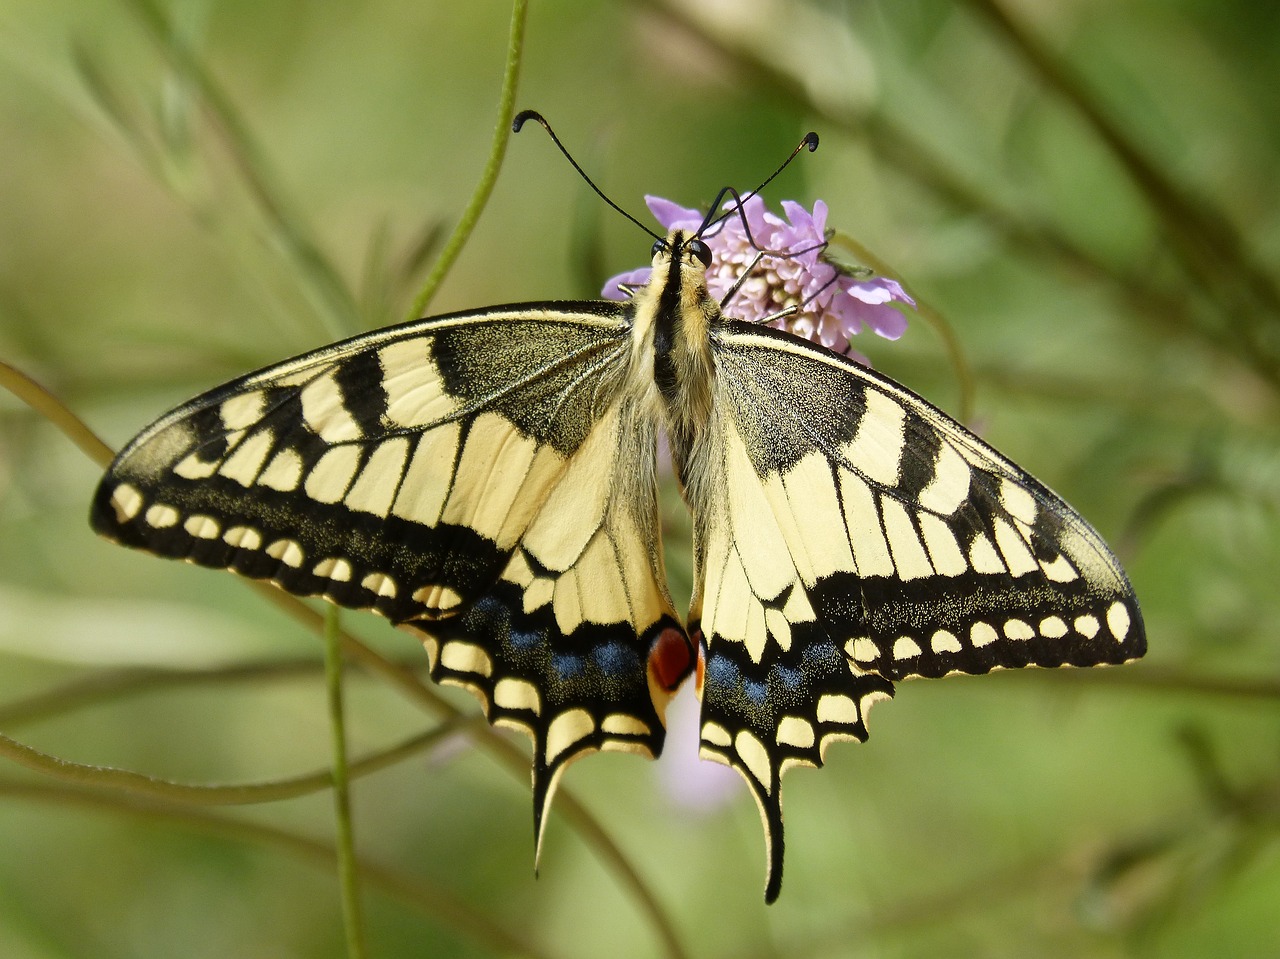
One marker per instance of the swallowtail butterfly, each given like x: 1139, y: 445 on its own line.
x: 488, y: 481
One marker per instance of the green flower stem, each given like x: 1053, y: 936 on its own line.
x: 501, y: 136
x: 352, y: 914
x: 1204, y: 233
x: 509, y: 756
x: 910, y: 157
x: 1157, y: 679
x: 110, y: 685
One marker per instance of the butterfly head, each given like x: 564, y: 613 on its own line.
x: 681, y: 245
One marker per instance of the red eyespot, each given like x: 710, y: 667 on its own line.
x: 670, y: 658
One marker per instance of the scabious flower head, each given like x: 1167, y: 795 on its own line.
x: 833, y: 305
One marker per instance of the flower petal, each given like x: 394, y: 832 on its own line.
x: 877, y: 290
x: 800, y: 219
x: 632, y: 278
x: 820, y: 219
x: 672, y: 215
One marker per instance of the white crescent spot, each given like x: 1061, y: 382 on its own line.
x: 202, y: 527
x: 1053, y: 627
x: 621, y: 724
x: 242, y: 537
x: 380, y: 584
x: 512, y: 693
x: 981, y: 634
x: 1017, y: 629
x: 1118, y: 621
x: 905, y: 648
x: 463, y: 657
x: 715, y: 734
x: 837, y: 708
x: 796, y: 731
x: 287, y: 551
x: 127, y: 502
x: 161, y: 516
x: 338, y: 570
x: 944, y: 642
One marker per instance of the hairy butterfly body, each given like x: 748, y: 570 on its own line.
x: 487, y: 480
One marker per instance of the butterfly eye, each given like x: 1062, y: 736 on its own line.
x: 659, y: 246
x: 701, y: 251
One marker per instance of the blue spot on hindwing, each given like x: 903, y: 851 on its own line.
x: 567, y: 665
x: 787, y: 678
x: 525, y: 638
x: 488, y: 612
x: 615, y: 659
x: 722, y: 672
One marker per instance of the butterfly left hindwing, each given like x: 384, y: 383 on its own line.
x: 482, y: 480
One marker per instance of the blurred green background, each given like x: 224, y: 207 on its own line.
x: 1086, y: 191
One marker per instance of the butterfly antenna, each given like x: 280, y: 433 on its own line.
x: 710, y: 227
x: 525, y: 115
x: 809, y: 140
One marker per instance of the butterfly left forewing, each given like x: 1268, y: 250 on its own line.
x: 480, y: 479
x: 862, y: 537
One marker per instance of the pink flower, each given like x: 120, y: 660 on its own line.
x: 833, y: 305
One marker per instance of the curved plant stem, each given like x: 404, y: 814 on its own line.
x: 1156, y: 679
x: 53, y: 409
x: 507, y: 754
x: 349, y: 879
x: 109, y: 685
x: 909, y: 156
x: 434, y: 900
x: 1205, y: 233
x: 240, y: 794
x: 501, y: 135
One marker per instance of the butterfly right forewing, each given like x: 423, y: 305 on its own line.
x: 851, y: 536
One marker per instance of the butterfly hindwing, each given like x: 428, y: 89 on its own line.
x: 858, y: 536
x: 479, y: 479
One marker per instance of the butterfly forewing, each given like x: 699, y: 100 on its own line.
x: 472, y: 477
